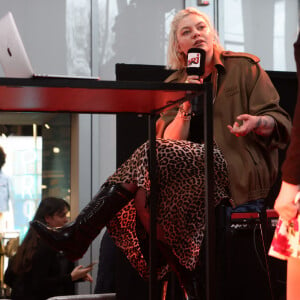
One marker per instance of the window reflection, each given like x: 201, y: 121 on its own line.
x: 37, y: 164
x: 233, y: 26
x: 78, y: 37
x: 267, y: 29
x: 279, y: 32
x: 24, y: 169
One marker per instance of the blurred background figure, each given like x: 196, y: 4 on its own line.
x: 36, y: 271
x: 4, y: 191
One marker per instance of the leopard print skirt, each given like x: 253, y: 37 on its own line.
x: 181, y: 200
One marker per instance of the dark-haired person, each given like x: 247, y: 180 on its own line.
x: 249, y: 127
x: 38, y: 272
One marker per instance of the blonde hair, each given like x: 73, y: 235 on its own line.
x: 175, y: 59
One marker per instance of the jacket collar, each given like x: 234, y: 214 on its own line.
x: 218, y: 60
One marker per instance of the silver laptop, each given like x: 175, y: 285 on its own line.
x: 13, y: 57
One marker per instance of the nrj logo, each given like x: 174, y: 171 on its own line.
x: 195, y: 60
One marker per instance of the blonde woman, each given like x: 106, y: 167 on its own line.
x: 249, y: 126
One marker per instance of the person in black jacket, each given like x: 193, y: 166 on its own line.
x: 37, y: 271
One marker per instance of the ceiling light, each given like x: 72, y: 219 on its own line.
x: 56, y: 150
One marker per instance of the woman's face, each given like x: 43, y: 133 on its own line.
x: 194, y: 32
x: 59, y: 219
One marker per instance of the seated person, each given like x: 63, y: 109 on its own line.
x: 38, y: 272
x: 249, y: 127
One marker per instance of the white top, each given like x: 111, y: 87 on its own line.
x: 4, y: 192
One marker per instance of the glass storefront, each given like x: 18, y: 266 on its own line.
x: 37, y: 164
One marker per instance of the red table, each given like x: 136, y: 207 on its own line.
x: 94, y: 96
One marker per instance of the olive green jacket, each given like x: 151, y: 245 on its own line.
x: 241, y: 86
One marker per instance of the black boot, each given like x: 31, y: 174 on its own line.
x: 75, y: 237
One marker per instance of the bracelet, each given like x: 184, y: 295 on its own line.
x: 186, y: 116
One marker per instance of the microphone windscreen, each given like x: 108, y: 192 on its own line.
x: 195, y: 61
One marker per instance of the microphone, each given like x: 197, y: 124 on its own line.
x: 195, y: 62
x: 196, y: 66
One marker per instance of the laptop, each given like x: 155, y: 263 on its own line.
x: 13, y: 56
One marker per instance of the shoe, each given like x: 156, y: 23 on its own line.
x: 75, y: 237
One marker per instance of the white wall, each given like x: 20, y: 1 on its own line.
x: 42, y: 28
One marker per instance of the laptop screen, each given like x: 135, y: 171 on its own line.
x: 13, y: 57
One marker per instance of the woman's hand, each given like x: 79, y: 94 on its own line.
x: 194, y: 79
x: 187, y: 106
x: 80, y: 272
x: 179, y: 128
x: 285, y: 203
x: 261, y: 125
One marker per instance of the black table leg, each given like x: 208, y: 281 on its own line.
x: 153, y: 290
x: 209, y: 197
